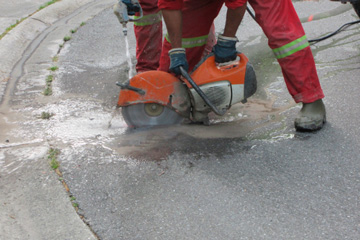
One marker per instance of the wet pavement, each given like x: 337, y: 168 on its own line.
x: 248, y: 175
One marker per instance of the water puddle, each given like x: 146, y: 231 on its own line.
x: 235, y: 127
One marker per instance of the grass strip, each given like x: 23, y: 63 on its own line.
x: 7, y: 30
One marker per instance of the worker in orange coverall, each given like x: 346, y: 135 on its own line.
x: 188, y: 23
x: 148, y: 33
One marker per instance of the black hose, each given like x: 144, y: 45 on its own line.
x: 334, y: 33
x: 251, y: 13
x: 343, y: 27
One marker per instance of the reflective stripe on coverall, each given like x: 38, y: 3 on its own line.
x: 208, y: 40
x: 198, y: 17
x: 286, y: 37
x: 148, y: 33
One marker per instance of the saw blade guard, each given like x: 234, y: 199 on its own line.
x: 156, y: 87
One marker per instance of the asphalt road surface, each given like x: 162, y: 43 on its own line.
x: 248, y: 175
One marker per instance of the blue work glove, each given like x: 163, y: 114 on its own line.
x: 177, y: 59
x: 132, y: 6
x: 225, y: 50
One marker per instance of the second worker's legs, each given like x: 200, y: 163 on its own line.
x: 148, y: 33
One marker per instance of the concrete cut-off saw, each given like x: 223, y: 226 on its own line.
x: 156, y: 98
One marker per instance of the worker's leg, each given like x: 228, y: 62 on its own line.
x: 198, y: 18
x: 148, y: 33
x: 287, y: 39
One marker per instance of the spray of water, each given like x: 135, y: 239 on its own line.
x: 128, y: 57
x: 116, y: 111
x: 113, y: 115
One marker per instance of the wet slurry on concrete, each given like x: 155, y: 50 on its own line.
x: 248, y: 175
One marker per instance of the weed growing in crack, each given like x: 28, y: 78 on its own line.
x: 47, y: 91
x: 74, y: 204
x: 12, y: 26
x: 49, y: 78
x: 67, y: 38
x: 22, y: 19
x: 53, y: 154
x: 46, y: 115
x: 53, y: 68
x: 47, y: 4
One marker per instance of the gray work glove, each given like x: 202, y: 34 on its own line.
x: 177, y: 60
x: 225, y: 49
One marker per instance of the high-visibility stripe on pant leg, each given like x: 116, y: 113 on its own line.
x: 148, y: 19
x: 291, y: 48
x: 191, y: 42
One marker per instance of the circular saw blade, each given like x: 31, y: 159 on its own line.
x: 149, y: 114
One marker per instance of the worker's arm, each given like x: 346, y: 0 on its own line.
x: 225, y: 48
x: 233, y: 20
x: 173, y: 21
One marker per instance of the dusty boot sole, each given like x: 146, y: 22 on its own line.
x: 310, y: 126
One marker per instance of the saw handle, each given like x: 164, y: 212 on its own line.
x: 186, y: 75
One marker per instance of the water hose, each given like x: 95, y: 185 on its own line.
x: 334, y: 33
x: 319, y: 16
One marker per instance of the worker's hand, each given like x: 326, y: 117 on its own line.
x: 132, y: 6
x: 225, y: 49
x: 177, y: 59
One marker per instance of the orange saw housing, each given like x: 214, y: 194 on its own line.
x: 208, y: 71
x: 165, y: 89
x: 156, y: 87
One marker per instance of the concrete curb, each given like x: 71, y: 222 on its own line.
x: 50, y: 207
x: 13, y: 44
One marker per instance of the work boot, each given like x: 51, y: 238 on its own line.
x: 311, y: 117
